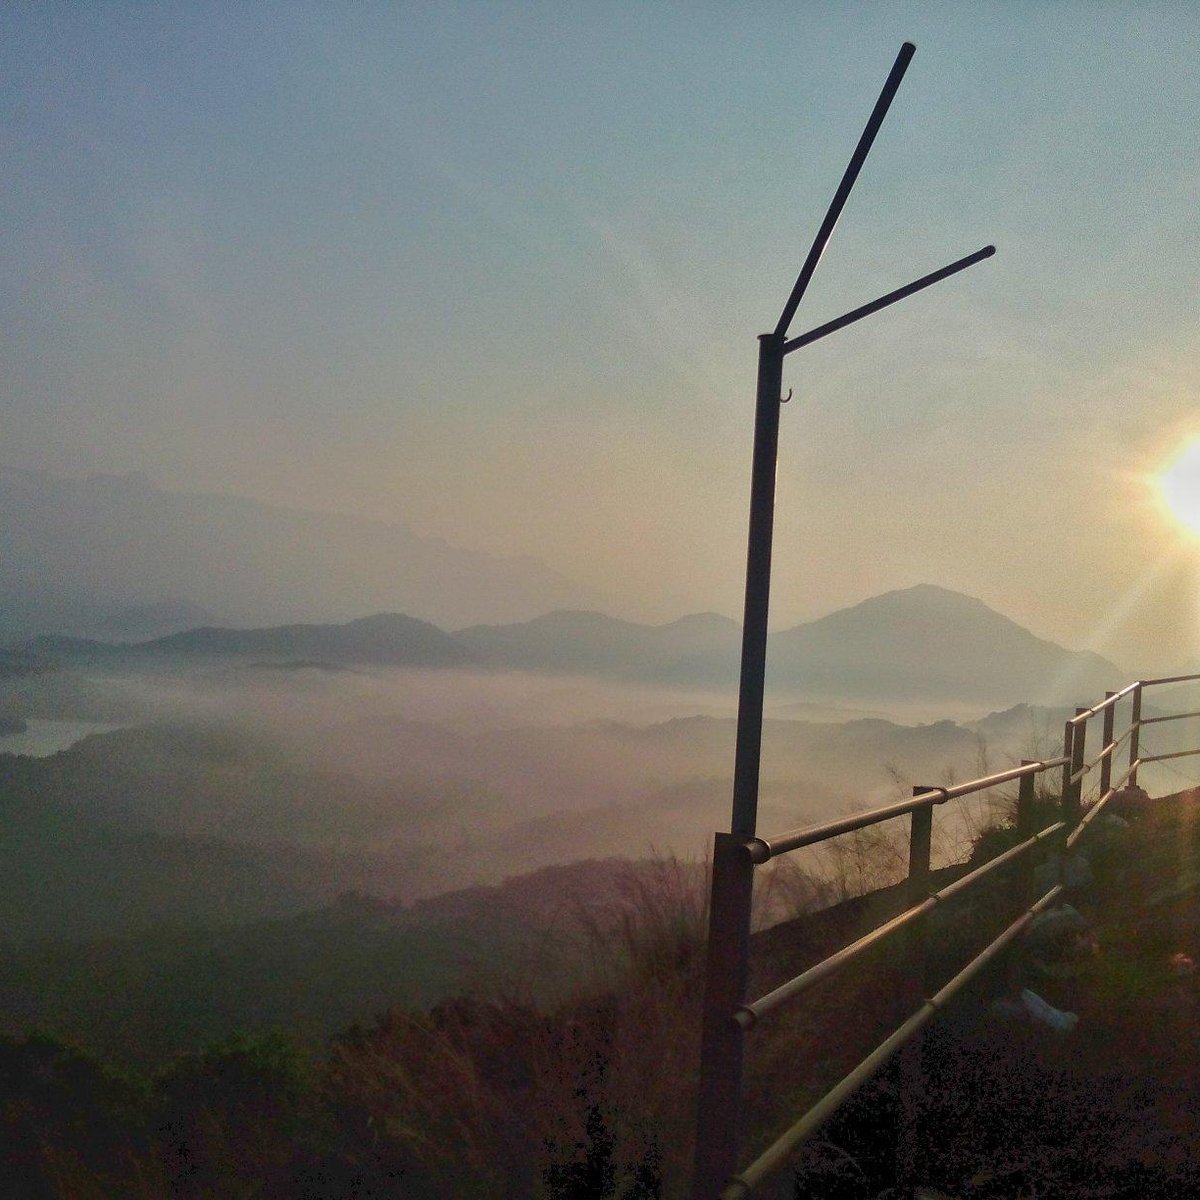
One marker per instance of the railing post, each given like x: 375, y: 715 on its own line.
x: 920, y: 842
x: 1078, y: 740
x: 910, y: 1064
x: 1064, y: 800
x: 1069, y: 756
x: 1110, y: 714
x: 719, y: 1118
x: 1135, y: 724
x: 1026, y: 798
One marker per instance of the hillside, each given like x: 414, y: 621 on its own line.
x: 927, y: 642
x: 177, y: 985
x: 1110, y: 1110
x: 176, y: 821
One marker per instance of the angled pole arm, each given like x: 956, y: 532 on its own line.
x: 806, y: 339
x: 844, y: 188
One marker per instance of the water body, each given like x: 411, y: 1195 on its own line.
x: 45, y: 737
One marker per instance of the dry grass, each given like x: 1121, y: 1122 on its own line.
x: 595, y: 1092
x: 586, y: 1097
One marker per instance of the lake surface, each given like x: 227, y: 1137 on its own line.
x: 46, y: 737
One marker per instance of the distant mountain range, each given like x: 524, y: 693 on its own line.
x: 387, y: 639
x: 922, y: 643
x: 120, y: 559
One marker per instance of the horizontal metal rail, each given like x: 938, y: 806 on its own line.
x: 1001, y: 860
x: 776, y: 1155
x: 1114, y: 746
x: 763, y: 849
x: 1149, y: 758
x: 750, y: 1014
x: 1169, y: 717
x: 1107, y: 702
x: 1108, y: 750
x: 989, y: 781
x: 1170, y: 679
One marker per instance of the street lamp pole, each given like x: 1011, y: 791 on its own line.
x: 718, y: 1138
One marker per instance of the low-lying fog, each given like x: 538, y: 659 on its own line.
x: 451, y: 778
x: 262, y: 844
x: 458, y: 777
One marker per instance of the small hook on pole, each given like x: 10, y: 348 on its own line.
x: 785, y: 399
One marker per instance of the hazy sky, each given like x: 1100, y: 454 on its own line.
x: 496, y: 271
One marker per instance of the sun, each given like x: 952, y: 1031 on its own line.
x: 1179, y: 487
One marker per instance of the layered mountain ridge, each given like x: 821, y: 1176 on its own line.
x: 921, y: 643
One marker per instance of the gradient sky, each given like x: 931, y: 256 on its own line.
x: 496, y: 271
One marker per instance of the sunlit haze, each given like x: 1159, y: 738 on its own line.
x: 1180, y: 487
x: 495, y: 273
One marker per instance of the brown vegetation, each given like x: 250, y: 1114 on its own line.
x: 592, y: 1095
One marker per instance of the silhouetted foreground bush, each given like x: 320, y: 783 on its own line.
x: 475, y: 1099
x: 590, y: 1097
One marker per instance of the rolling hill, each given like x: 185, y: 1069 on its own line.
x: 386, y: 639
x: 922, y: 644
x: 926, y: 642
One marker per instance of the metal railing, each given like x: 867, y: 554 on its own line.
x: 729, y: 1015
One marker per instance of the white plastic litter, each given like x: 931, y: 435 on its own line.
x: 1046, y: 1014
x: 1030, y: 1007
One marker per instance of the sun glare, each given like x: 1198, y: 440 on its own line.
x: 1179, y: 487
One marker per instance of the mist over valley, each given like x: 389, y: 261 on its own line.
x: 328, y: 789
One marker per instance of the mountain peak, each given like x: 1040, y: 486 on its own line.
x: 927, y: 595
x: 928, y: 640
x: 702, y: 622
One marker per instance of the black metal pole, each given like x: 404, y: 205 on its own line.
x: 722, y: 1047
x: 758, y: 586
x: 717, y: 1132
